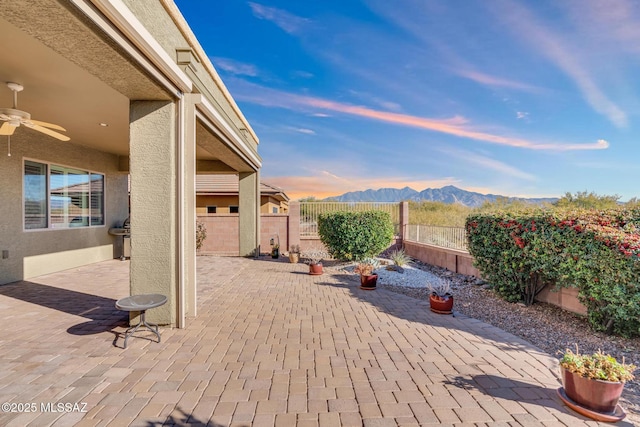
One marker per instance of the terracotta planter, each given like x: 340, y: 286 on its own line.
x: 441, y: 305
x: 294, y: 258
x: 369, y: 282
x: 315, y: 269
x: 597, y: 395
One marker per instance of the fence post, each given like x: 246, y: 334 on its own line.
x: 293, y: 225
x: 404, y: 220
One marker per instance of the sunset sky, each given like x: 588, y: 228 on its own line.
x: 506, y: 97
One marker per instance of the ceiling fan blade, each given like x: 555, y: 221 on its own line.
x: 7, y: 129
x: 46, y: 131
x: 47, y: 125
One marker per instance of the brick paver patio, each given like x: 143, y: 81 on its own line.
x: 271, y: 345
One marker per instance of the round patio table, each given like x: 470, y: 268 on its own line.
x: 141, y: 303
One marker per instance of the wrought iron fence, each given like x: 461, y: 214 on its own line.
x: 309, y: 212
x: 446, y: 237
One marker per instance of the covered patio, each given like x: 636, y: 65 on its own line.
x: 130, y: 93
x: 271, y: 345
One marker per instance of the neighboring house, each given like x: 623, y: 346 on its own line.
x: 218, y: 194
x: 137, y: 95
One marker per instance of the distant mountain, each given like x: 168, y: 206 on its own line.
x: 448, y: 194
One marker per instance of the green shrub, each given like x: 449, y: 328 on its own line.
x: 597, y: 252
x: 355, y: 235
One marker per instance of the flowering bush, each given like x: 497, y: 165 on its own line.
x: 597, y: 252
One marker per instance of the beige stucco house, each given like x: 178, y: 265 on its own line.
x: 218, y: 194
x: 137, y: 95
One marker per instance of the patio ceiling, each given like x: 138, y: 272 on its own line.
x: 58, y: 91
x: 77, y: 81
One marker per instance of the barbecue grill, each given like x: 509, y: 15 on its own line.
x: 125, y: 232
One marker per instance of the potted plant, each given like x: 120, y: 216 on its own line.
x: 314, y: 259
x: 595, y: 383
x: 294, y: 254
x: 366, y: 268
x: 440, y: 299
x: 275, y: 251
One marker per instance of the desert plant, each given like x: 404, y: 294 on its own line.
x: 597, y: 366
x: 201, y: 234
x: 399, y: 257
x: 367, y: 266
x: 314, y: 257
x: 355, y: 235
x: 439, y: 287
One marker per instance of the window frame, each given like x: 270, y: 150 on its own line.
x: 237, y: 208
x: 215, y: 209
x: 48, y: 165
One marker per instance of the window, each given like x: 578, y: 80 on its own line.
x: 233, y: 209
x: 61, y: 197
x: 274, y: 210
x: 211, y: 209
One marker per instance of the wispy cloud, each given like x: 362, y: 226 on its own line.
x: 456, y: 126
x: 488, y: 163
x: 302, y: 130
x: 522, y: 115
x: 235, y: 67
x: 562, y: 54
x: 367, y: 97
x: 288, y: 22
x: 494, y: 81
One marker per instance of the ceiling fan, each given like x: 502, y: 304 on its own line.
x: 13, y: 118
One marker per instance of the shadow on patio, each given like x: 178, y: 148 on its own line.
x: 100, y: 310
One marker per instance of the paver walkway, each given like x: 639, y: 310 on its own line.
x: 271, y: 345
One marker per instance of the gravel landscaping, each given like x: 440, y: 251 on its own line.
x: 544, y: 325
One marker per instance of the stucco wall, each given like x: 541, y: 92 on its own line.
x: 456, y: 261
x: 222, y: 203
x: 36, y: 252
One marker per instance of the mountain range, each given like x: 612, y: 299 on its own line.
x: 447, y: 194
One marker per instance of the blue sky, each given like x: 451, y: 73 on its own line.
x: 506, y: 97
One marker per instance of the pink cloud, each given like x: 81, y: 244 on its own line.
x: 489, y: 80
x: 457, y: 125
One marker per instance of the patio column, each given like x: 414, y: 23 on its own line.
x: 154, y: 204
x: 249, y: 213
x: 188, y: 174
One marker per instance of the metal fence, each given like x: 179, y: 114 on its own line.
x: 309, y: 212
x: 445, y: 237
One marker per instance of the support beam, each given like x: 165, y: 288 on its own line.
x: 249, y: 213
x: 187, y: 172
x: 154, y: 205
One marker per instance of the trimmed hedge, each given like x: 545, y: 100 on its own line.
x: 352, y: 236
x: 597, y: 252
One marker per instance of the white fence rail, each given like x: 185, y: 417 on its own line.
x: 445, y: 237
x: 309, y: 212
